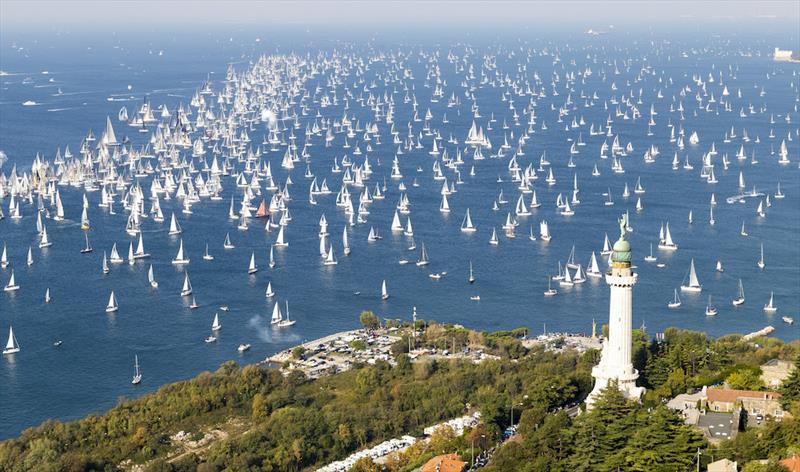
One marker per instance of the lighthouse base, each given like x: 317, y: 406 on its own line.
x: 626, y: 383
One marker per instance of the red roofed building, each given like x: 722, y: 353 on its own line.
x: 792, y: 464
x: 444, y: 463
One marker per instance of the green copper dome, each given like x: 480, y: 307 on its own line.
x: 622, y: 248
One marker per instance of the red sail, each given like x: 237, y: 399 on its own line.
x: 262, y: 210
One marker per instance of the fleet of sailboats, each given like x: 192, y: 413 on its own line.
x: 207, y: 151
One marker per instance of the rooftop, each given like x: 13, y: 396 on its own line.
x: 730, y: 395
x: 444, y: 463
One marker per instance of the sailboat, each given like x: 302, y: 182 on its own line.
x: 345, y: 242
x: 269, y: 293
x: 550, y: 290
x: 11, y: 286
x: 44, y: 241
x: 739, y: 300
x: 174, y: 227
x: 719, y: 267
x: 466, y: 224
x: 471, y: 278
x: 12, y: 346
x: 206, y: 255
x: 112, y: 303
x: 29, y: 260
x: 105, y: 264
x: 87, y: 249
x: 215, y: 325
x: 286, y: 322
x: 676, y: 300
x: 137, y: 375
x: 694, y: 284
x: 711, y: 310
x: 276, y: 314
x: 667, y: 242
x: 272, y: 257
x: 544, y: 231
x: 493, y: 240
x: 594, y: 269
x: 227, y: 244
x: 423, y: 257
x: 606, y: 247
x: 4, y: 258
x: 384, y: 291
x: 253, y: 268
x: 187, y: 286
x: 180, y: 258
x: 281, y: 240
x: 760, y: 262
x: 47, y: 295
x: 770, y: 307
x: 650, y: 257
x: 151, y: 277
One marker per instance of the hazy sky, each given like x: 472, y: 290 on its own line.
x: 124, y: 14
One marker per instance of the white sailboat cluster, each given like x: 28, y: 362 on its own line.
x: 354, y: 155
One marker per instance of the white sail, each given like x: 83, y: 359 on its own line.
x: 466, y: 224
x: 694, y: 284
x: 174, y: 227
x: 281, y: 240
x: 276, y: 314
x: 12, y: 283
x: 215, y: 326
x: 12, y: 345
x: 187, y: 286
x: 112, y: 303
x: 384, y: 291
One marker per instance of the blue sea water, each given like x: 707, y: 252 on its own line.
x: 93, y: 366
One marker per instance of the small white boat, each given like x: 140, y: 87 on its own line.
x: 211, y: 339
x: 286, y: 322
x: 711, y: 310
x: 650, y: 257
x: 186, y: 290
x: 216, y: 325
x: 770, y: 307
x: 151, y: 277
x: 12, y: 346
x: 475, y: 298
x: 137, y: 375
x: 112, y: 303
x: 12, y: 285
x: 693, y: 284
x: 739, y: 300
x: 252, y: 269
x: 550, y: 290
x: 384, y: 291
x: 206, y: 255
x: 676, y: 301
x: 788, y: 319
x: 243, y: 347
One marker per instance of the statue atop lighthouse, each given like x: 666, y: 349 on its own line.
x: 615, y: 362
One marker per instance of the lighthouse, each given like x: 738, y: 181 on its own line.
x: 615, y: 361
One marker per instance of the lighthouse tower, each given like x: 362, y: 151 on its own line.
x: 615, y: 362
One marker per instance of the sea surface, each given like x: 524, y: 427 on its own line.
x: 97, y: 75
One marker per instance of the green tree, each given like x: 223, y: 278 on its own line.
x: 662, y: 443
x: 770, y: 466
x: 744, y: 379
x: 601, y: 434
x: 791, y: 387
x: 365, y: 464
x: 369, y: 320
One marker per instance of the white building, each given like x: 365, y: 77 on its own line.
x: 615, y: 362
